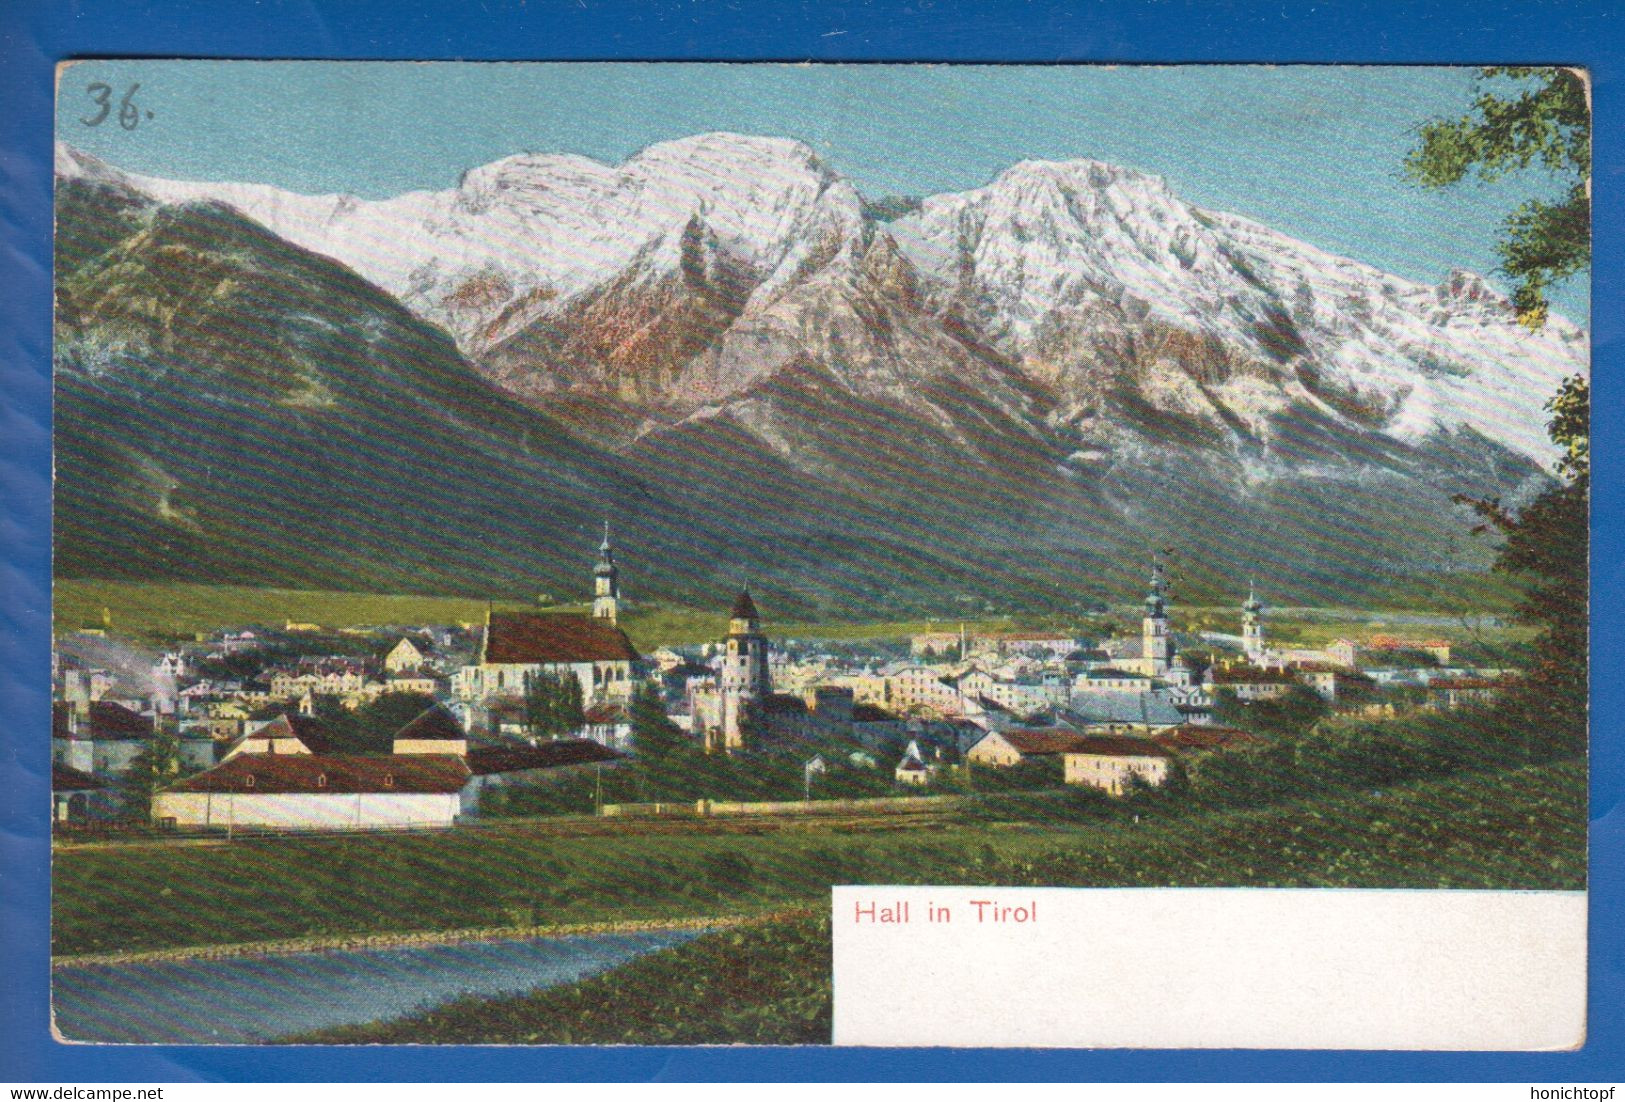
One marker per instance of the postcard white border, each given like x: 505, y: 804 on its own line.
x: 1210, y: 968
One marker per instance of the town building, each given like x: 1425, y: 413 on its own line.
x: 1451, y: 693
x: 1249, y: 682
x: 407, y: 655
x: 1019, y: 745
x: 1334, y: 683
x: 105, y: 739
x: 275, y: 779
x: 1111, y: 762
x: 1195, y: 738
x: 519, y: 645
x: 321, y: 792
x: 609, y: 725
x: 77, y: 796
x: 278, y: 736
x: 913, y: 769
x: 744, y: 681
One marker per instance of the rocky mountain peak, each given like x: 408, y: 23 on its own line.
x: 700, y: 266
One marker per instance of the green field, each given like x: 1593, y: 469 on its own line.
x: 770, y: 984
x: 176, y: 609
x: 1522, y: 828
x: 173, y: 609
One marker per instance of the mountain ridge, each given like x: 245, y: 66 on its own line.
x: 1067, y: 358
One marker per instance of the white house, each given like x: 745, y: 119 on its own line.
x: 914, y: 769
x: 1109, y: 762
x: 322, y: 792
x: 1013, y: 747
x: 76, y: 795
x: 277, y: 779
x: 105, y: 739
x: 406, y: 655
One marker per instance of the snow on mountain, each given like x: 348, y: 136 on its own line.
x: 534, y: 228
x: 1073, y: 265
x: 694, y: 271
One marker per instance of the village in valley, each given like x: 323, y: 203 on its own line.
x: 501, y: 588
x: 298, y: 728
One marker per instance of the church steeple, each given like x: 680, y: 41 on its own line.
x: 1155, y: 599
x: 1156, y: 645
x: 606, y: 582
x: 1252, y: 626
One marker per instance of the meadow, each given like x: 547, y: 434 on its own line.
x: 171, y: 610
x: 1517, y: 828
x: 770, y: 983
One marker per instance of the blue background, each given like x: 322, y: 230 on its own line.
x: 35, y: 35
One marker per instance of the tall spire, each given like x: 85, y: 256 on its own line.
x: 1252, y: 604
x: 1252, y: 626
x: 606, y: 582
x: 1156, y: 645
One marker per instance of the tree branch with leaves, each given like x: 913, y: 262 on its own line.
x: 1537, y: 118
x: 1523, y: 117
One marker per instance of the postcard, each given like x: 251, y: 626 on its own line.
x: 799, y: 554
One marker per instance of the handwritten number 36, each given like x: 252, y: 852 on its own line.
x: 129, y: 115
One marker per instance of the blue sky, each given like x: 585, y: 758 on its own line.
x: 1314, y: 151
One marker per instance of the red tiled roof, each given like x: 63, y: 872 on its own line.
x: 606, y: 713
x: 1390, y: 642
x: 343, y: 773
x: 1119, y: 746
x: 1043, y: 740
x: 525, y: 638
x: 486, y: 760
x: 307, y: 729
x: 112, y: 720
x: 1192, y: 736
x: 312, y: 732
x: 279, y: 727
x: 67, y: 779
x: 431, y: 724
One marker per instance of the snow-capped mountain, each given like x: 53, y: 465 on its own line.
x: 1082, y: 271
x: 701, y: 267
x: 1064, y: 363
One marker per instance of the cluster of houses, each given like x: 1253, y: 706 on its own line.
x: 254, y: 753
